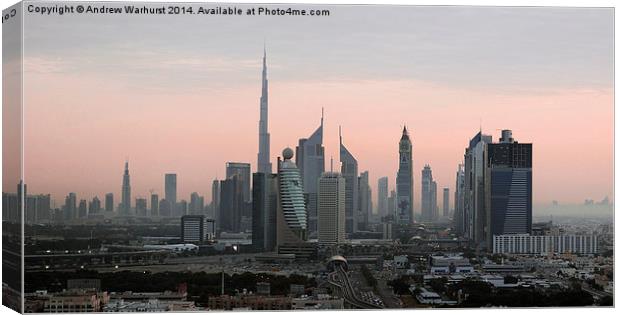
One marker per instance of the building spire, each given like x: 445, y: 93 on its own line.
x: 322, y: 115
x: 340, y: 134
x: 264, y: 164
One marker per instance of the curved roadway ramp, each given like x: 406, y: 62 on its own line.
x: 339, y: 279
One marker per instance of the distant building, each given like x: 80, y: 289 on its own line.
x: 243, y: 174
x: 165, y: 209
x: 82, y: 209
x: 545, y: 244
x: 37, y: 208
x: 365, y: 201
x: 94, y: 206
x: 141, y: 207
x: 70, y: 207
x: 348, y: 169
x: 264, y: 211
x: 170, y: 189
x: 391, y: 212
x: 429, y: 195
x: 310, y: 159
x: 196, y: 203
x: 386, y: 231
x: 215, y: 199
x: 126, y: 192
x: 109, y: 202
x: 193, y: 229
x: 382, y: 196
x: 154, y: 205
x: 404, y: 181
x: 331, y: 208
x: 446, y: 202
x: 459, y: 202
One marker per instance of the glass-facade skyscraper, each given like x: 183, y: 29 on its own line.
x: 510, y: 187
x: 348, y: 169
x: 310, y: 159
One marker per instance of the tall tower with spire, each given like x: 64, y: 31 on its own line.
x: 349, y: 171
x: 310, y: 159
x: 126, y: 192
x: 264, y: 165
x: 404, y: 181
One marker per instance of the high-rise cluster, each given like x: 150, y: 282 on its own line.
x: 494, y: 189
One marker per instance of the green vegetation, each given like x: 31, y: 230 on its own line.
x: 370, y: 279
x: 481, y: 294
x: 401, y: 285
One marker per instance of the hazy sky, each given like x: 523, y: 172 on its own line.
x: 181, y: 94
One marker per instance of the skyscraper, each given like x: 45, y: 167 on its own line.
x: 70, y: 207
x: 109, y: 202
x: 196, y: 204
x: 475, y: 207
x: 310, y: 159
x: 391, y: 207
x: 94, y: 206
x: 243, y: 173
x: 459, y: 201
x: 264, y: 165
x: 510, y: 187
x: 404, y: 181
x: 231, y: 205
x: 126, y: 192
x: 446, y: 202
x: 291, y: 217
x: 215, y: 199
x: 170, y: 190
x: 82, y: 209
x: 154, y: 205
x: 382, y: 196
x: 365, y: 201
x: 141, y: 207
x: 165, y: 209
x: 348, y: 169
x: 264, y: 211
x: 429, y: 195
x: 331, y: 208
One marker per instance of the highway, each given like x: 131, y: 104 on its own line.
x: 340, y: 279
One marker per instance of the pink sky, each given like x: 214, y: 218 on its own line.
x: 80, y: 128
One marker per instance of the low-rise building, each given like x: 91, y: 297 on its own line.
x: 320, y: 302
x: 545, y: 244
x: 253, y: 302
x: 425, y: 296
x: 447, y: 264
x: 76, y: 301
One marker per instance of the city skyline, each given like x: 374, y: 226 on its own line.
x: 199, y: 139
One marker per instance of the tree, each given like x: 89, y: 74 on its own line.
x: 606, y: 301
